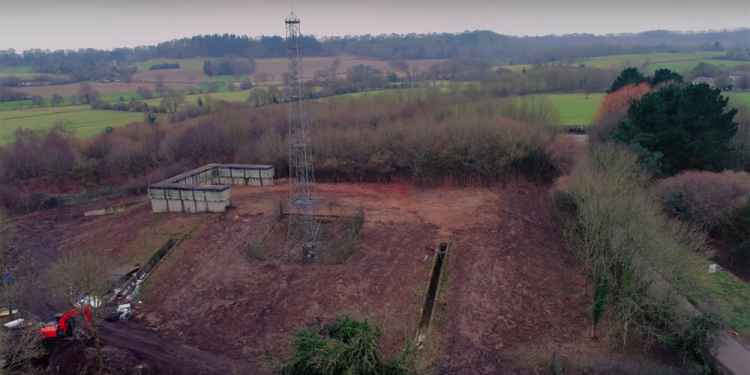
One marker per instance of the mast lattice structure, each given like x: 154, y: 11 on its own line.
x: 302, y: 223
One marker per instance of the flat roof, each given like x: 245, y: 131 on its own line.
x: 173, y: 182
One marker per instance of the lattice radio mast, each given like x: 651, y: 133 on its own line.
x: 301, y: 173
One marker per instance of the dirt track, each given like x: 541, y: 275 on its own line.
x: 165, y: 356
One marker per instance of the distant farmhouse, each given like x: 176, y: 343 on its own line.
x: 707, y: 80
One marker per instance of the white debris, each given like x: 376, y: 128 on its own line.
x: 14, y: 324
x: 92, y: 301
x: 124, y: 311
x: 713, y: 268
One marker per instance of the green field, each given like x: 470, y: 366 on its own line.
x: 82, y: 120
x: 576, y: 109
x: 740, y: 98
x: 13, y: 70
x: 15, y: 105
x: 227, y: 96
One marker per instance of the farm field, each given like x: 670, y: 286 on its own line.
x: 681, y: 62
x: 82, y: 120
x: 269, y: 70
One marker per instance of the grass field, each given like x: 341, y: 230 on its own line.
x: 227, y: 96
x: 82, y: 120
x: 741, y: 98
x: 576, y: 108
x: 13, y: 70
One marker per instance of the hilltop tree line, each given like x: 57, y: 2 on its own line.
x: 483, y: 45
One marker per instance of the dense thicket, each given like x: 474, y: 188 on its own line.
x: 425, y: 136
x: 704, y: 198
x: 635, y: 257
x: 229, y: 66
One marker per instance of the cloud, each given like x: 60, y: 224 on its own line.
x: 110, y: 23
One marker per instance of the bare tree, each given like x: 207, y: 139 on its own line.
x: 87, y: 93
x: 172, y: 101
x: 145, y: 92
x: 161, y: 88
x: 56, y: 99
x: 82, y: 279
x: 19, y: 348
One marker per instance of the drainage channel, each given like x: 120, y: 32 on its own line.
x: 432, y: 292
x: 130, y: 284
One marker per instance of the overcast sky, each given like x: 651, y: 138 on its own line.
x: 58, y: 24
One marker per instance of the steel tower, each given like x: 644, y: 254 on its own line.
x: 302, y: 223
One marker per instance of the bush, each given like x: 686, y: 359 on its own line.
x: 703, y: 198
x: 346, y: 346
x: 164, y: 66
x: 736, y: 226
x: 741, y: 254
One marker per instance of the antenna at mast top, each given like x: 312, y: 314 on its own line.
x: 291, y: 18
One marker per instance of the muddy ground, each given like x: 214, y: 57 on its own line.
x: 511, y: 295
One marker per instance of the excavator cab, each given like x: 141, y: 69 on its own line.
x: 65, y: 324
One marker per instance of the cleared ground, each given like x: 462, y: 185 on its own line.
x: 511, y: 294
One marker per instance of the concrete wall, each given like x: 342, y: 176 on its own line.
x: 206, y: 189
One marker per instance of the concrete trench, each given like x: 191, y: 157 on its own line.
x: 432, y: 293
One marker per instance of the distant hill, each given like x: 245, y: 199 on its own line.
x: 484, y: 45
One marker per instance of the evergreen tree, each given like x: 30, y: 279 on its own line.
x: 665, y: 75
x: 629, y: 76
x: 679, y: 128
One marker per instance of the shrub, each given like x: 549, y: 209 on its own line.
x: 563, y: 152
x: 703, y: 198
x: 736, y: 226
x: 346, y: 346
x: 741, y: 254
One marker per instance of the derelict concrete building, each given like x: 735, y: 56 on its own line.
x: 208, y: 188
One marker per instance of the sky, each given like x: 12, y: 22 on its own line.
x: 71, y: 24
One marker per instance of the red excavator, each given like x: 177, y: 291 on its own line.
x: 65, y: 324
